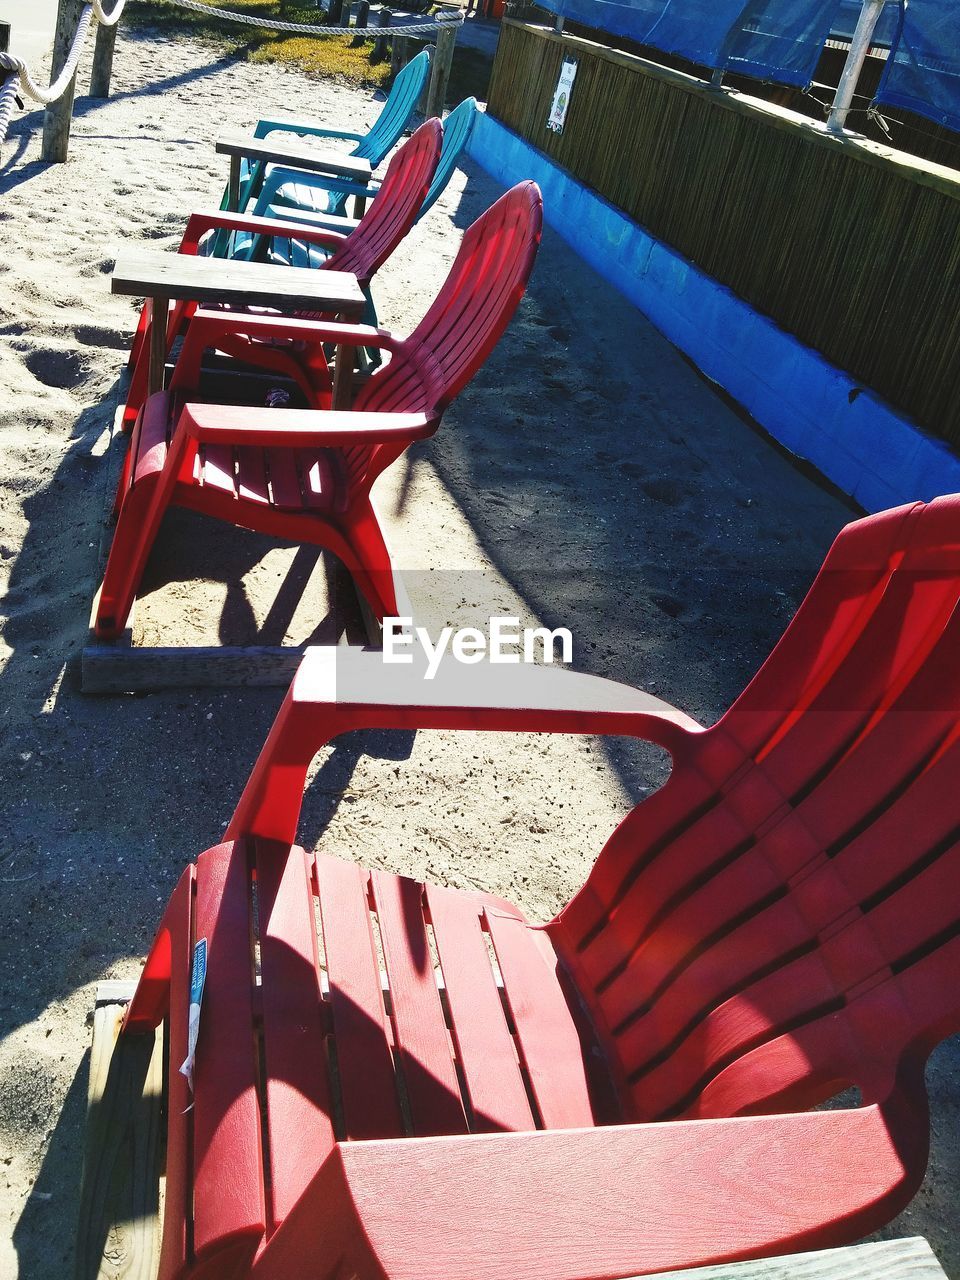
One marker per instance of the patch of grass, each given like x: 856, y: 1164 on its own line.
x: 333, y: 57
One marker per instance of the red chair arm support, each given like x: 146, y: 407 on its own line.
x: 204, y: 220
x: 238, y: 424
x: 209, y: 324
x: 597, y: 1203
x: 337, y: 690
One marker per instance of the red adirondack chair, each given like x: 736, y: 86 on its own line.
x: 623, y: 1090
x: 307, y: 474
x: 363, y: 253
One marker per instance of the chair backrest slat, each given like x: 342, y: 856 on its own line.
x: 742, y: 931
x: 392, y: 214
x: 461, y: 328
x: 457, y: 129
x: 396, y: 114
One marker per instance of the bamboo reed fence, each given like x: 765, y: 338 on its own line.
x: 852, y: 246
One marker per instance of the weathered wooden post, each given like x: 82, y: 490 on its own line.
x: 399, y: 55
x: 440, y: 71
x: 335, y: 14
x: 4, y: 36
x: 57, y: 117
x: 384, y: 18
x: 102, y: 68
x: 859, y: 48
x: 361, y: 16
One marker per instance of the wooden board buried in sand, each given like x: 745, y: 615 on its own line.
x: 221, y: 606
x: 121, y: 1201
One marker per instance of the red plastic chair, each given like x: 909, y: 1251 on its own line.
x: 307, y: 474
x: 624, y: 1090
x: 362, y: 253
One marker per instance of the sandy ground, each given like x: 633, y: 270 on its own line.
x: 588, y: 478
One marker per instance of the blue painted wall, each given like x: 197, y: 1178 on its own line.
x: 815, y: 409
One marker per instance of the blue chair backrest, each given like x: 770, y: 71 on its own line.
x: 400, y: 105
x: 457, y: 129
x: 389, y: 125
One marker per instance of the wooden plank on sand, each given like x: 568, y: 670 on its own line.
x: 119, y: 1227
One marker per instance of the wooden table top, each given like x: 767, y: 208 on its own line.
x: 156, y: 274
x: 297, y: 153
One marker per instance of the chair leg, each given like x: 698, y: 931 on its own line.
x: 370, y: 559
x: 141, y: 515
x: 138, y: 338
x: 140, y: 364
x: 151, y: 1000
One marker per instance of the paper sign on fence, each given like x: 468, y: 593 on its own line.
x: 561, y: 98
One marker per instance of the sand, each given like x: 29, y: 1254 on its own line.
x: 588, y: 478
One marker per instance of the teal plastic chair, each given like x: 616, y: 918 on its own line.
x: 303, y: 197
x: 292, y: 195
x: 374, y: 145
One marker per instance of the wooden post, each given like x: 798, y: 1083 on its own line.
x: 440, y: 71
x: 102, y: 68
x: 380, y: 44
x: 361, y: 17
x: 4, y: 37
x: 58, y: 116
x: 859, y: 48
x: 399, y: 56
x: 335, y: 14
x: 558, y: 25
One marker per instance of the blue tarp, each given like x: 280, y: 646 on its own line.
x: 781, y: 41
x: 923, y: 74
x: 884, y: 33
x: 777, y: 40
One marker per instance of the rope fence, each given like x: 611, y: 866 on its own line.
x: 15, y: 77
x: 443, y: 22
x: 13, y: 65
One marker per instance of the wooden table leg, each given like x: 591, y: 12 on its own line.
x: 342, y: 378
x: 233, y: 185
x: 159, y: 314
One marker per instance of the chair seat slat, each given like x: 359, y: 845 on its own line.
x: 364, y: 1056
x: 299, y: 1106
x: 423, y: 1041
x: 488, y: 1056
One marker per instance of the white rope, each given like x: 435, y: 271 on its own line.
x: 108, y: 19
x: 8, y: 100
x: 312, y: 28
x: 15, y: 66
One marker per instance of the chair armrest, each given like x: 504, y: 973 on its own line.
x: 337, y: 690
x: 207, y: 324
x: 597, y: 1203
x: 238, y: 424
x: 265, y: 127
x: 362, y: 687
x: 204, y: 220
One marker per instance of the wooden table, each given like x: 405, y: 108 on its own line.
x: 297, y: 155
x: 162, y: 277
